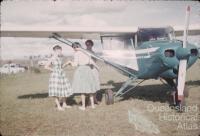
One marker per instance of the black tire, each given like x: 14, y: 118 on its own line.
x: 109, y: 99
x: 180, y: 104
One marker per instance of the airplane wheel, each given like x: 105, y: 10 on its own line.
x: 109, y: 99
x: 180, y: 105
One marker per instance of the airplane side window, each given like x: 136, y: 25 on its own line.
x: 129, y: 43
x: 117, y: 43
x: 151, y: 34
x: 171, y: 35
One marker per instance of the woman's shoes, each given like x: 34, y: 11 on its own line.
x: 82, y: 108
x: 67, y: 106
x: 60, y: 109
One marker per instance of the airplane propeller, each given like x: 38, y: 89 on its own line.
x: 183, y: 62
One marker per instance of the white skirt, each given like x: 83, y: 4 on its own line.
x: 84, y: 80
x: 97, y: 79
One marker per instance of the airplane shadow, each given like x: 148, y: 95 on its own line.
x: 33, y: 96
x: 145, y: 92
x: 155, y: 93
x: 70, y: 99
x: 193, y: 83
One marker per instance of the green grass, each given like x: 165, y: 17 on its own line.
x: 26, y: 109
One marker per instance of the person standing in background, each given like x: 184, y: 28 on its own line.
x: 89, y: 45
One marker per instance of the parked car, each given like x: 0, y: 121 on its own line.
x: 11, y: 68
x: 42, y: 62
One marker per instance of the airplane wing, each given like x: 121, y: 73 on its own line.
x: 193, y: 30
x: 82, y: 32
x: 67, y: 32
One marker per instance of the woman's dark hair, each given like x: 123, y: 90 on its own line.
x: 57, y: 47
x: 76, y: 45
x: 89, y: 42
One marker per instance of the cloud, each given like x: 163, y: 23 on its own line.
x: 85, y: 7
x: 86, y: 20
x: 87, y: 13
x: 53, y: 13
x: 117, y: 13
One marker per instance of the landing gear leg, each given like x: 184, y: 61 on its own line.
x: 176, y: 103
x: 172, y: 84
x: 109, y: 95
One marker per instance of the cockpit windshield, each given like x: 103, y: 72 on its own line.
x: 151, y: 34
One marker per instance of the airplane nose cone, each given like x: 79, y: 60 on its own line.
x: 182, y: 53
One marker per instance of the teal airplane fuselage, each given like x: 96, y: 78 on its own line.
x: 164, y: 61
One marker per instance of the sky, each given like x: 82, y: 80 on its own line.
x: 85, y: 13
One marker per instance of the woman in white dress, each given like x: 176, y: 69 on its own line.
x: 83, y: 76
x: 59, y: 85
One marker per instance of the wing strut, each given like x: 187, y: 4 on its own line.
x: 131, y: 80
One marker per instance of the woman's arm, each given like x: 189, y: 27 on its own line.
x: 67, y: 63
x: 94, y: 64
x: 75, y: 62
x: 48, y: 65
x: 72, y: 63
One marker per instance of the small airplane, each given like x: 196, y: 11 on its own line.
x: 139, y: 53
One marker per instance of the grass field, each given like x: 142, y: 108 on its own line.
x: 26, y: 109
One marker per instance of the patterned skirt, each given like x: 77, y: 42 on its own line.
x: 59, y: 85
x: 84, y: 80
